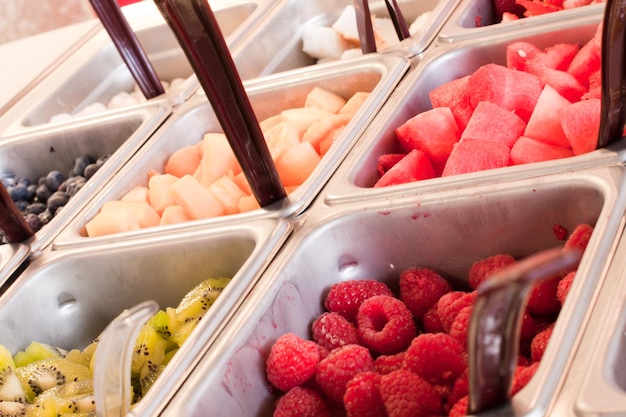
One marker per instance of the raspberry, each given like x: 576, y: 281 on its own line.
x: 346, y: 297
x: 291, y: 362
x: 563, y: 287
x: 460, y: 389
x: 385, y: 325
x: 460, y: 408
x: 385, y: 364
x: 529, y: 328
x: 407, y: 395
x: 542, y: 299
x: 521, y: 376
x: 485, y: 268
x: 560, y: 232
x: 438, y: 358
x: 450, y: 304
x: 362, y: 397
x: 335, y: 371
x: 539, y: 344
x: 420, y: 288
x: 431, y: 321
x: 332, y: 330
x: 460, y: 326
x: 580, y: 237
x: 301, y: 402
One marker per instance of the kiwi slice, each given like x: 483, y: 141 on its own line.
x: 36, y: 351
x: 37, y: 377
x: 193, y: 306
x: 149, y: 347
x: 72, y: 397
x: 11, y: 389
x: 149, y: 373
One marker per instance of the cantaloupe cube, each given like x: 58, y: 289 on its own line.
x: 121, y: 216
x: 302, y: 117
x: 158, y: 191
x: 321, y: 98
x: 329, y: 139
x: 228, y: 193
x: 146, y: 215
x: 197, y: 201
x: 137, y: 194
x: 354, y: 103
x: 295, y: 164
x: 217, y: 159
x: 184, y: 161
x: 248, y: 203
x: 270, y: 122
x: 241, y: 180
x: 173, y: 215
x: 319, y: 129
x: 281, y: 137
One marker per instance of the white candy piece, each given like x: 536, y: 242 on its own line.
x: 120, y: 100
x: 93, y: 108
x: 346, y: 25
x: 323, y: 42
x: 60, y: 117
x: 418, y: 23
x: 384, y: 32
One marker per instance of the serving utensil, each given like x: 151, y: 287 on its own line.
x: 364, y: 23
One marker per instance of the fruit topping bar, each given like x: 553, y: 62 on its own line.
x: 544, y: 104
x: 205, y: 180
x: 508, y: 10
x: 43, y: 380
x: 376, y: 353
x: 341, y: 39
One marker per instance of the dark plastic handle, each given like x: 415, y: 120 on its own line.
x: 198, y: 33
x: 399, y: 22
x: 364, y: 26
x: 129, y: 47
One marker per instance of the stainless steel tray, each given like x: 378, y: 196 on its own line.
x: 96, y: 72
x: 67, y: 298
x: 354, y: 178
x: 462, y: 23
x: 119, y: 133
x: 445, y: 231
x: 275, y: 45
x: 268, y: 97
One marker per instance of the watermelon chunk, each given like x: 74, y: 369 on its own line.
x: 544, y: 124
x: 386, y: 161
x: 472, y: 155
x: 588, y: 59
x: 581, y: 124
x: 563, y: 82
x: 519, y: 53
x: 512, y: 90
x: 527, y: 150
x: 414, y: 166
x: 491, y: 122
x: 454, y: 95
x: 434, y: 132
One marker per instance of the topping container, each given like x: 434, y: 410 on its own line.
x: 67, y: 298
x: 119, y: 133
x: 189, y: 122
x: 95, y: 72
x: 355, y: 177
x: 445, y: 231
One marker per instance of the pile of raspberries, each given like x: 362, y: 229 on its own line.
x: 372, y: 353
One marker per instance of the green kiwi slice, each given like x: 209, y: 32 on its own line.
x: 37, y: 377
x: 10, y: 386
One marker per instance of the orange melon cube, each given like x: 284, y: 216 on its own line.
x: 302, y: 117
x: 270, y: 122
x: 319, y: 129
x: 144, y: 213
x: 241, y: 180
x: 137, y: 194
x: 197, y: 201
x: 228, y: 193
x: 121, y: 216
x: 248, y: 203
x: 217, y: 159
x: 281, y: 137
x: 354, y: 103
x: 173, y: 215
x: 329, y: 139
x: 321, y: 98
x: 183, y: 162
x: 296, y: 163
x: 158, y: 191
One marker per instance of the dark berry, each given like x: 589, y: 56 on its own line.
x: 54, y: 179
x: 45, y: 216
x: 43, y: 192
x: 7, y: 177
x: 56, y: 200
x: 79, y: 165
x: 33, y: 221
x: 102, y: 159
x: 31, y: 192
x: 72, y: 185
x: 18, y: 192
x: 35, y: 208
x: 90, y: 170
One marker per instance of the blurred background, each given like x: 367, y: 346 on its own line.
x: 22, y: 18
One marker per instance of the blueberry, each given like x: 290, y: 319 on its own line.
x: 91, y: 169
x: 73, y: 186
x: 43, y: 193
x: 7, y: 177
x: 56, y: 200
x: 42, y: 181
x: 24, y: 180
x: 35, y: 208
x: 45, y: 216
x: 102, y: 159
x: 33, y: 221
x: 54, y: 179
x: 79, y: 165
x: 31, y: 192
x: 21, y: 204
x: 18, y: 192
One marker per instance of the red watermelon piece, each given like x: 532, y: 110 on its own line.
x: 512, y: 90
x: 434, y: 132
x: 386, y: 161
x: 581, y: 124
x: 528, y: 150
x: 519, y: 53
x: 472, y: 155
x: 563, y: 82
x: 595, y: 93
x: 491, y: 122
x: 414, y: 166
x: 537, y: 7
x: 588, y: 59
x: 453, y: 94
x: 544, y: 124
